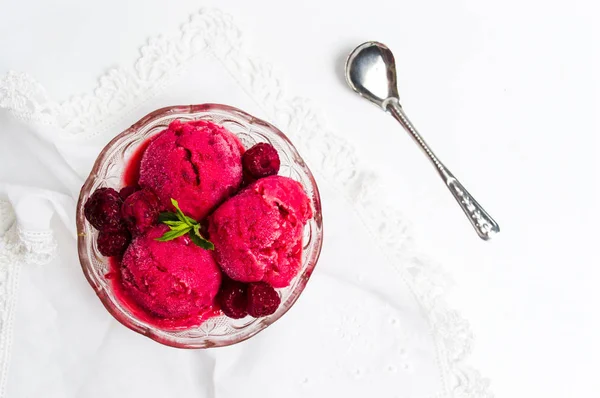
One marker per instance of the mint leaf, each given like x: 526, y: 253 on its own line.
x: 179, y: 226
x: 191, y: 220
x: 167, y: 216
x: 200, y: 241
x: 180, y: 214
x: 182, y: 217
x: 174, y: 223
x: 170, y: 235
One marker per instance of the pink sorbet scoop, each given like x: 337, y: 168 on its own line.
x: 258, y: 232
x: 197, y: 163
x: 173, y: 279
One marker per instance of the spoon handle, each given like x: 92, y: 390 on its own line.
x: 484, y: 224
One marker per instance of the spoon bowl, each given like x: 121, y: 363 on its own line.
x: 371, y: 72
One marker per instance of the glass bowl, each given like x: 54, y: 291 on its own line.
x: 108, y: 171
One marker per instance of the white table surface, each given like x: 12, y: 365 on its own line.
x: 507, y: 93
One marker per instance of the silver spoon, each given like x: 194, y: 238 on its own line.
x: 371, y: 72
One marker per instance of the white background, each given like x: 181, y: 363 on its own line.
x: 506, y: 92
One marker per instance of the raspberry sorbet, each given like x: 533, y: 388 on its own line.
x: 173, y: 279
x: 198, y: 163
x: 258, y: 232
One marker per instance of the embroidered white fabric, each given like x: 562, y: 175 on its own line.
x: 211, y: 36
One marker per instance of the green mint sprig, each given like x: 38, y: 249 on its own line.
x: 179, y: 225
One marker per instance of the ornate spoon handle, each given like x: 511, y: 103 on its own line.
x: 484, y: 224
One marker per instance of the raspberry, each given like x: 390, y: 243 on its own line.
x: 247, y: 179
x: 261, y: 160
x: 113, y: 242
x: 140, y: 211
x: 263, y: 300
x: 103, y: 209
x: 232, y: 299
x: 128, y: 190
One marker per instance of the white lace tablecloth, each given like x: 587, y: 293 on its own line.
x: 373, y: 319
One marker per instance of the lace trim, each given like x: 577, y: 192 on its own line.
x: 120, y: 90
